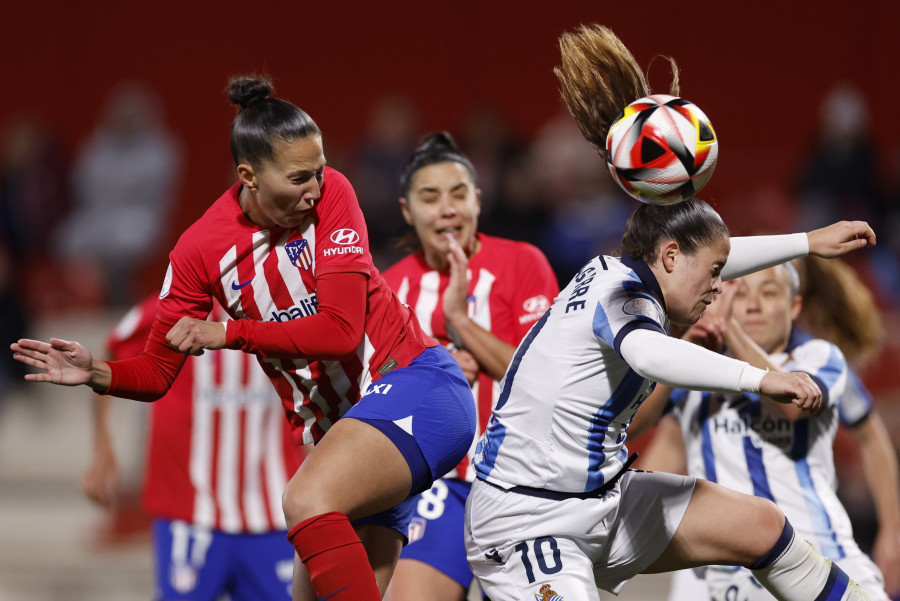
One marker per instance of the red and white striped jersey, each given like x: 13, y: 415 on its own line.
x: 220, y: 451
x: 269, y: 274
x: 511, y: 284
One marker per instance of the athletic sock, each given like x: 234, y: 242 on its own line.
x: 794, y: 571
x: 335, y: 558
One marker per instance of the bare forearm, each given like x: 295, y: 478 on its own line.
x: 492, y: 354
x: 742, y: 347
x: 102, y: 407
x: 881, y: 470
x: 101, y: 376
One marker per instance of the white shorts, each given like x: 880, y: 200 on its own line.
x: 738, y: 584
x: 524, y: 547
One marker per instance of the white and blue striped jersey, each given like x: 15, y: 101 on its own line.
x: 855, y: 405
x: 568, y: 396
x: 744, y: 443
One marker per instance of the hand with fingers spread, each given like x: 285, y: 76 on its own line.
x: 192, y: 336
x: 840, y: 238
x: 59, y: 361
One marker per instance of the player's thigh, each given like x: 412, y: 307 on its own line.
x: 543, y: 568
x: 414, y: 580
x: 721, y: 526
x: 433, y: 565
x: 650, y: 511
x: 191, y: 563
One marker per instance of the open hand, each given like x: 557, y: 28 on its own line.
x: 59, y: 361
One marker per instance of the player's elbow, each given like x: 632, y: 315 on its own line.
x: 347, y: 342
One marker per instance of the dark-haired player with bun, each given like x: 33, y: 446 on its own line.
x: 285, y: 252
x: 478, y: 295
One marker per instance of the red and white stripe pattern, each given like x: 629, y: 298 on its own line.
x: 261, y: 274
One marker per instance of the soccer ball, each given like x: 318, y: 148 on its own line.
x: 661, y: 149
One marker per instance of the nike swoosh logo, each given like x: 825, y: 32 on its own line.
x: 236, y: 286
x: 330, y: 595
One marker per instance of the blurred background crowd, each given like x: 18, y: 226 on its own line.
x: 113, y: 140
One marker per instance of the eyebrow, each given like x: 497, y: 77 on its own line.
x: 436, y: 189
x: 305, y: 171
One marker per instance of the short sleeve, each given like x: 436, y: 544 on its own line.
x: 855, y: 404
x: 534, y: 290
x: 825, y: 363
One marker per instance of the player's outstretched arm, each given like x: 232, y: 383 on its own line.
x: 754, y: 253
x: 840, y: 238
x: 63, y: 362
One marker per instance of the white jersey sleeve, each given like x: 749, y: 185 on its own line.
x: 755, y: 253
x: 681, y: 364
x: 856, y: 403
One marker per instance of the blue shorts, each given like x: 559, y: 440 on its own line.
x: 436, y: 530
x: 199, y: 564
x: 427, y: 410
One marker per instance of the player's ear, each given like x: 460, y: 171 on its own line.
x: 247, y: 175
x: 669, y: 254
x: 404, y: 208
x: 796, y: 306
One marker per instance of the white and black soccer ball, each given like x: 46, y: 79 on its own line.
x: 662, y: 149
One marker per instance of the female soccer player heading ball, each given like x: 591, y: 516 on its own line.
x: 554, y: 502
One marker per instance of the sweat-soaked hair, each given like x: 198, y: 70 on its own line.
x: 598, y: 78
x: 263, y: 120
x: 692, y: 223
x: 438, y: 147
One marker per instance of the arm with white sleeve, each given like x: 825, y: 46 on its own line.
x: 681, y: 364
x: 754, y: 253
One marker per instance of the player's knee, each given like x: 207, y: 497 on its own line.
x: 769, y: 524
x: 298, y: 505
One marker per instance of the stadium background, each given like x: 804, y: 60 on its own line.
x: 759, y: 70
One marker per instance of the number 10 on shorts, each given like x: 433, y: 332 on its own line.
x: 542, y: 549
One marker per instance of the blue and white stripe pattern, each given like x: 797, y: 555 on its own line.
x: 568, y: 395
x: 745, y: 443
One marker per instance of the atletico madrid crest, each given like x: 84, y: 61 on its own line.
x: 299, y: 253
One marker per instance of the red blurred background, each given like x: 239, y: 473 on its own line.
x: 757, y: 69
